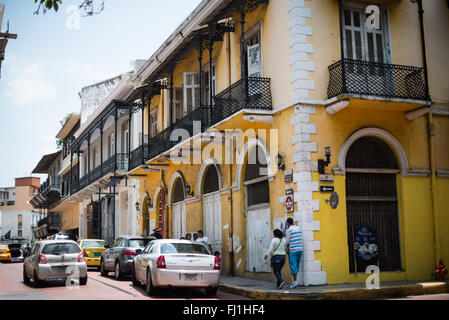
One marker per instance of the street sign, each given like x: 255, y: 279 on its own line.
x: 327, y: 189
x: 326, y: 178
x: 288, y: 175
x: 289, y: 202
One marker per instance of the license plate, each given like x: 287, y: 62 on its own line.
x: 97, y: 254
x: 190, y: 277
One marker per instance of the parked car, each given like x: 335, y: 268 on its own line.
x: 5, y: 253
x: 64, y: 236
x: 119, y: 257
x: 92, y: 250
x: 54, y: 259
x: 16, y: 252
x: 176, y: 263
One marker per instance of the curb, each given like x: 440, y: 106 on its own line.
x: 394, y: 291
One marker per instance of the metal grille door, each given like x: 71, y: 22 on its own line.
x: 372, y: 202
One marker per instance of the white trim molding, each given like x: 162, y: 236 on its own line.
x: 443, y: 174
x: 204, y: 167
x: 177, y: 175
x: 375, y: 132
x: 241, y: 157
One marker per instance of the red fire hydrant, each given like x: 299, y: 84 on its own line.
x: 441, y: 271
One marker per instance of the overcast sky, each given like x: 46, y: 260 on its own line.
x: 48, y: 64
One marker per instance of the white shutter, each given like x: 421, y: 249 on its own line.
x: 191, y: 91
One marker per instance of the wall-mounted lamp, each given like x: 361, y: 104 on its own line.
x: 189, y: 190
x: 280, y: 162
x: 322, y: 164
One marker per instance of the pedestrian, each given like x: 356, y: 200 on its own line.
x: 157, y: 233
x: 195, y: 236
x: 203, y: 239
x: 293, y: 236
x: 278, y: 250
x: 189, y: 236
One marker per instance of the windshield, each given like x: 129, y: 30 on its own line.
x: 138, y: 243
x: 190, y: 248
x: 93, y: 244
x: 58, y: 248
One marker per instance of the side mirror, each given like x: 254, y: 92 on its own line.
x: 107, y: 246
x: 139, y: 251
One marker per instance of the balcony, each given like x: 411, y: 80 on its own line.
x: 390, y: 81
x: 118, y: 162
x: 226, y: 103
x: 232, y: 100
x: 162, y: 142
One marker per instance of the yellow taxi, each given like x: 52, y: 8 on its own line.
x: 5, y: 254
x: 92, y: 249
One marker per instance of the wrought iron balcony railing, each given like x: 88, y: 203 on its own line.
x: 138, y: 156
x: 117, y: 162
x: 364, y: 78
x: 178, y: 132
x: 226, y: 103
x: 233, y: 99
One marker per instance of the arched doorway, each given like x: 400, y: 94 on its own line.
x: 372, y: 203
x: 258, y: 224
x: 212, y: 208
x: 179, y: 210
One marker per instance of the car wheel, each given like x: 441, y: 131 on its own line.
x: 26, y: 279
x: 36, y: 282
x: 150, y: 288
x: 117, y: 273
x: 103, y: 271
x: 133, y: 277
x: 83, y: 281
x: 211, y: 292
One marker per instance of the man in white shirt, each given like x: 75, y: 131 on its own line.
x: 204, y: 240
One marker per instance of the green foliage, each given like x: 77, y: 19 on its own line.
x: 59, y: 144
x: 48, y: 5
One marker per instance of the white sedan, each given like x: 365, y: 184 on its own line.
x: 176, y: 263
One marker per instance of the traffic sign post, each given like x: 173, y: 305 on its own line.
x: 289, y: 201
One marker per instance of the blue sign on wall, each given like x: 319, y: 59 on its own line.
x: 365, y: 244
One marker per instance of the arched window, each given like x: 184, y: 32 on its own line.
x: 211, y: 183
x: 178, y: 194
x: 255, y: 171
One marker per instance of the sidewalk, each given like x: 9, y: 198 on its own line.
x: 264, y: 290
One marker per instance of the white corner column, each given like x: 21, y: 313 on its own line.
x: 311, y: 272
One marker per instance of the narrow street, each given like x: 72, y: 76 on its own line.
x: 97, y: 288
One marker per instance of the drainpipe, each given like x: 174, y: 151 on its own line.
x: 431, y: 134
x: 231, y: 224
x: 433, y: 186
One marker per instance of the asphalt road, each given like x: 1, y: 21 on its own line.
x: 97, y: 288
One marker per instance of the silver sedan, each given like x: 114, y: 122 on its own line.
x: 55, y: 259
x: 176, y: 263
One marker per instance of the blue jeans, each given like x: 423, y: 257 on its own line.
x: 294, y: 259
x: 278, y: 262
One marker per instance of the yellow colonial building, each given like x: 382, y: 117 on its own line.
x: 332, y: 112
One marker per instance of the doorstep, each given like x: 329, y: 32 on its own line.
x: 264, y: 290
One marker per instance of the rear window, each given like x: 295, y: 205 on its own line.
x: 58, y: 248
x: 93, y: 244
x: 191, y: 248
x: 138, y: 243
